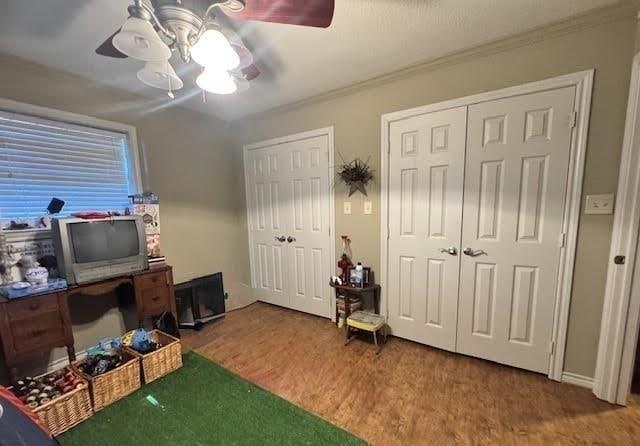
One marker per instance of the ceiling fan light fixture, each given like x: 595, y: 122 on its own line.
x: 212, y: 50
x: 242, y: 83
x: 138, y: 39
x: 216, y: 81
x: 160, y: 75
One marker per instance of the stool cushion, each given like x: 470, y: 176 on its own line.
x: 364, y: 320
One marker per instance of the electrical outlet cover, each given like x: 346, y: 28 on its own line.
x: 599, y: 204
x: 347, y: 208
x: 368, y: 207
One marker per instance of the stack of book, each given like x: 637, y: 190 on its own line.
x: 160, y: 260
x: 354, y: 304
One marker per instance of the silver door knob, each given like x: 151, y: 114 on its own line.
x: 451, y: 250
x: 291, y: 239
x: 281, y: 239
x: 470, y: 252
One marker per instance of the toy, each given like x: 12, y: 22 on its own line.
x: 100, y: 364
x: 140, y: 340
x: 36, y: 392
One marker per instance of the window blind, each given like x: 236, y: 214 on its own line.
x: 40, y: 159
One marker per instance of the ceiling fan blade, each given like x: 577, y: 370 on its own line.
x: 251, y: 72
x: 318, y: 13
x: 107, y: 48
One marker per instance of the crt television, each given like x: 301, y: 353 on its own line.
x: 88, y: 250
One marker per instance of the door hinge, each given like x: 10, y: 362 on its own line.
x: 562, y: 239
x: 573, y: 119
x: 552, y: 347
x: 388, y: 232
x: 389, y: 146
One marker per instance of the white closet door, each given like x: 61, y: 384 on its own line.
x: 307, y: 163
x: 426, y: 174
x: 289, y: 209
x: 516, y: 175
x: 267, y: 194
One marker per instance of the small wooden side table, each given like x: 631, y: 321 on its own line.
x: 348, y: 289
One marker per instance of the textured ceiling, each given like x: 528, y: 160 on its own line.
x: 368, y: 38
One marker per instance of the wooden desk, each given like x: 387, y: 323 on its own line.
x: 347, y: 289
x: 34, y: 325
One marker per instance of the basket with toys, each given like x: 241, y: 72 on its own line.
x: 111, y: 371
x: 159, y: 353
x: 61, y: 398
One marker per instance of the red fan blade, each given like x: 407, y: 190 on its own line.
x: 251, y: 72
x: 318, y: 13
x: 107, y: 48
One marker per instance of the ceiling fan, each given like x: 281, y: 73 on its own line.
x: 195, y: 30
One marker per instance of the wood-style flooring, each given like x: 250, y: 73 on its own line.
x: 411, y: 394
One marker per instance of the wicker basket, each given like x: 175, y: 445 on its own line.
x: 64, y: 412
x: 162, y: 361
x: 115, y: 384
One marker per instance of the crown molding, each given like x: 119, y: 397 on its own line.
x: 624, y: 10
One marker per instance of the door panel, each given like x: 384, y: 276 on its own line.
x: 267, y: 193
x: 425, y: 196
x: 517, y: 161
x: 309, y: 182
x: 289, y: 196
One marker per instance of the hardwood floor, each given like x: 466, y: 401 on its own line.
x: 410, y: 394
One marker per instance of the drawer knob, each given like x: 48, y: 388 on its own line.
x: 33, y: 306
x: 37, y: 333
x: 155, y: 298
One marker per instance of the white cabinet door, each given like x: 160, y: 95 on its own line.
x: 515, y: 182
x: 426, y: 171
x: 289, y: 208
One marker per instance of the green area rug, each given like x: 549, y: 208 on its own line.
x: 204, y: 404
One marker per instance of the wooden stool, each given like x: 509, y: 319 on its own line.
x: 366, y: 321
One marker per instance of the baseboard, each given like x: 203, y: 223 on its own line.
x: 59, y: 363
x: 577, y: 380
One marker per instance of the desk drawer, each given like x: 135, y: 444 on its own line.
x: 43, y: 330
x: 28, y: 307
x: 155, y: 301
x: 151, y: 280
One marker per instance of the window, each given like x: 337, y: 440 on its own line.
x: 89, y: 167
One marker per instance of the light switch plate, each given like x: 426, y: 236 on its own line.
x: 368, y: 207
x: 599, y: 204
x: 347, y: 208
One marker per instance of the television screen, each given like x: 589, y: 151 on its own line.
x: 95, y: 241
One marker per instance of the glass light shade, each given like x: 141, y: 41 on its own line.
x: 216, y: 81
x: 160, y: 75
x: 139, y: 40
x: 241, y: 83
x: 213, y: 50
x: 246, y: 58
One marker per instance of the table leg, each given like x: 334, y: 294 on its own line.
x: 347, y: 311
x: 376, y: 300
x: 71, y: 352
x: 375, y: 341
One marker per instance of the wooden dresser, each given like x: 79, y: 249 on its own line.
x: 33, y: 325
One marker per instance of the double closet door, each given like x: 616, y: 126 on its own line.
x: 289, y: 216
x: 476, y: 203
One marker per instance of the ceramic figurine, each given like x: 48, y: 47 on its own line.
x: 345, y: 259
x: 6, y: 262
x: 32, y: 271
